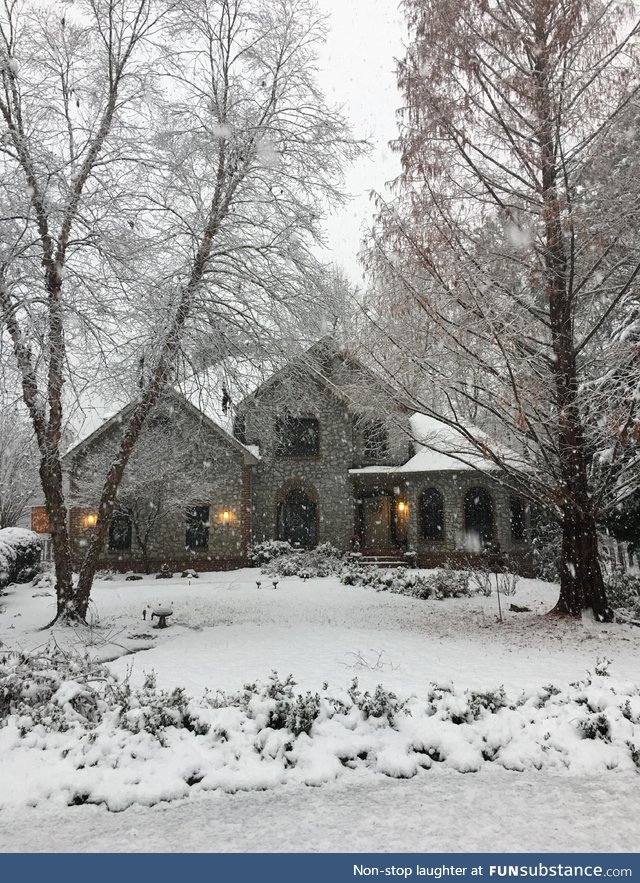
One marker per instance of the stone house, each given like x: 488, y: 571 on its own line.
x: 354, y: 470
x: 305, y: 457
x: 184, y: 501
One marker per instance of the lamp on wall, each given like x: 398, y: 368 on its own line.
x: 90, y: 520
x: 402, y: 508
x: 226, y: 516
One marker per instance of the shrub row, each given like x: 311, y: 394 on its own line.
x: 437, y: 584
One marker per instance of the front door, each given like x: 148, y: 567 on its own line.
x: 376, y: 522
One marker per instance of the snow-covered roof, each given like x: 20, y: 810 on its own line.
x: 441, y: 448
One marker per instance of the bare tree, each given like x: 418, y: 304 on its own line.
x: 163, y: 164
x: 511, y: 246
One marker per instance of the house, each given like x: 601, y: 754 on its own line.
x: 304, y: 457
x: 184, y: 501
x: 342, y: 462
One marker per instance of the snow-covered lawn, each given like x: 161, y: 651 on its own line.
x: 225, y: 632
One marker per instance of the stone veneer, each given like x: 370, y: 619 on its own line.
x: 213, y: 471
x: 325, y: 478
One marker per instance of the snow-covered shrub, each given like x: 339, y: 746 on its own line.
x: 450, y: 584
x: 262, y: 553
x: 436, y: 584
x: 382, y: 703
x: 357, y: 575
x: 152, y: 710
x: 623, y: 592
x: 596, y: 726
x: 278, y: 705
x: 49, y: 689
x: 290, y: 564
x: 20, y: 552
x: 324, y: 560
x: 7, y: 563
x: 471, y: 707
x: 87, y: 738
x: 56, y: 690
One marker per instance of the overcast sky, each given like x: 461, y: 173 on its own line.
x: 365, y: 38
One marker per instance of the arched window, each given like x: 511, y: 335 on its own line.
x: 518, y: 518
x: 478, y: 518
x: 120, y: 534
x: 298, y: 519
x: 432, y: 514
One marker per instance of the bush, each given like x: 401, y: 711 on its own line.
x: 623, y: 592
x: 31, y: 685
x: 383, y: 703
x: 20, y: 552
x: 437, y: 584
x: 265, y: 552
x: 324, y: 560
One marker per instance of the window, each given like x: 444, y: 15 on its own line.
x: 297, y: 437
x: 298, y: 519
x: 240, y: 428
x: 518, y: 513
x: 120, y: 534
x: 432, y: 515
x: 375, y: 438
x: 478, y: 518
x: 197, y: 536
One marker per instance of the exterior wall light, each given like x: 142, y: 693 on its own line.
x: 226, y: 517
x: 90, y: 520
x: 402, y: 507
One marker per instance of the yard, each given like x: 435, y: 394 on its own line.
x: 351, y: 780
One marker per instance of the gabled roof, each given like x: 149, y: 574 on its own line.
x: 120, y: 416
x: 313, y: 363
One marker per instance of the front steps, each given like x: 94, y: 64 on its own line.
x: 381, y: 560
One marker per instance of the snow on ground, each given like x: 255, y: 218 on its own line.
x: 226, y: 632
x: 493, y: 811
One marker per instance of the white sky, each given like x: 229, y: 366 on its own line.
x: 365, y: 38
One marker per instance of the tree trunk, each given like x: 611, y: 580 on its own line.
x: 144, y: 548
x: 581, y: 583
x: 59, y: 530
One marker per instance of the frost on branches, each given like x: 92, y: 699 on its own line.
x: 152, y: 198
